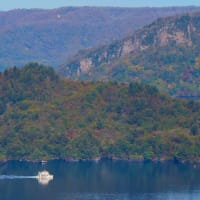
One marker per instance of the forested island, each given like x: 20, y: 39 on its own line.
x: 44, y: 116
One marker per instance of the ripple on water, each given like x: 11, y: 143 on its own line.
x: 93, y: 196
x: 148, y: 196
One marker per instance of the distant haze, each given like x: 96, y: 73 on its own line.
x: 14, y: 4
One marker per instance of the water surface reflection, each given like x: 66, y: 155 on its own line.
x: 106, y: 179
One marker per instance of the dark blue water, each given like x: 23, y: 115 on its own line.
x: 105, y: 180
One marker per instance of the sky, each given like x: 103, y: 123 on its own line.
x: 14, y: 4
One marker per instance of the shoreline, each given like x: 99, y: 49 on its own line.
x: 197, y: 162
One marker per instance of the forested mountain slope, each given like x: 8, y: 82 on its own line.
x: 51, y: 36
x: 165, y: 53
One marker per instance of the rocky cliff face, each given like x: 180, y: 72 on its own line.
x: 165, y: 54
x: 175, y: 31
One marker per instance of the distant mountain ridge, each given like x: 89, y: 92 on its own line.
x: 165, y: 53
x: 52, y: 36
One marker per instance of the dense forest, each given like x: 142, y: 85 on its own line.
x: 44, y: 116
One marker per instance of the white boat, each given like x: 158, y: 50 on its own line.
x: 44, y: 177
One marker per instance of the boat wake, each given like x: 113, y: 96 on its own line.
x: 43, y: 177
x: 3, y: 177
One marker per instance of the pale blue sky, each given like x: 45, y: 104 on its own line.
x: 13, y: 4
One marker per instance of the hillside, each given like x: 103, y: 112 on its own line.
x: 165, y: 53
x: 43, y: 116
x: 52, y: 36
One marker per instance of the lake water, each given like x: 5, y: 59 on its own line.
x: 104, y: 180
